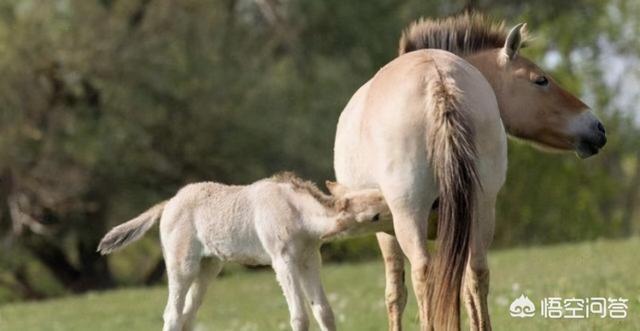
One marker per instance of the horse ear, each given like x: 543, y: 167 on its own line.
x: 514, y: 41
x: 335, y: 189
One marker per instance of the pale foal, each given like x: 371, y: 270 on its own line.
x: 281, y: 221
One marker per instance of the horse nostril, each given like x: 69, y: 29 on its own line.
x: 600, y: 127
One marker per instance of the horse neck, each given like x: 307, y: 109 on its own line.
x: 487, y: 62
x: 317, y: 217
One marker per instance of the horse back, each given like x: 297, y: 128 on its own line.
x: 384, y: 122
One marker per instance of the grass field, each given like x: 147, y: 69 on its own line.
x: 252, y: 301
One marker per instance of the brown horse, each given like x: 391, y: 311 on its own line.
x: 432, y: 124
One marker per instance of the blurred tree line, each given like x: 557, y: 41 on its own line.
x: 107, y: 106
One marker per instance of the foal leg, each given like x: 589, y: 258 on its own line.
x: 476, y: 281
x: 395, y: 288
x: 180, y: 275
x: 287, y: 276
x: 313, y: 290
x: 182, y: 254
x: 209, y: 268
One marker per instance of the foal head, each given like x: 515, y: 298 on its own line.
x: 532, y: 105
x: 358, y: 211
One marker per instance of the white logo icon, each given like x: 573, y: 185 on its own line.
x: 522, y: 307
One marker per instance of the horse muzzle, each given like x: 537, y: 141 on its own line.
x: 590, y: 143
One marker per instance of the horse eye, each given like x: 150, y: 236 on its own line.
x: 542, y: 81
x: 376, y: 218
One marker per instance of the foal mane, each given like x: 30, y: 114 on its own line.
x: 306, y: 186
x: 462, y: 34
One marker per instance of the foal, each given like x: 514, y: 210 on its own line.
x: 280, y: 221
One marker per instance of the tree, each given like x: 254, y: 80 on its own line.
x: 109, y: 106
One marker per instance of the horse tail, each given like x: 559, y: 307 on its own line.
x: 126, y: 233
x: 452, y: 154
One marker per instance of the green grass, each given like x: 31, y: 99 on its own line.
x: 252, y: 301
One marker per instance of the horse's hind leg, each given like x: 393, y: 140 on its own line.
x: 395, y: 288
x: 179, y: 283
x: 410, y: 199
x: 182, y: 257
x: 476, y: 281
x: 209, y: 268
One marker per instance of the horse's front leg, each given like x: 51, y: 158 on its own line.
x: 476, y: 282
x: 313, y: 290
x: 288, y: 276
x: 395, y: 288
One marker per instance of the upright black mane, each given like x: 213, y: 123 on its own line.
x: 461, y: 34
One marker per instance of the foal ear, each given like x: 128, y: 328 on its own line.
x: 514, y: 41
x: 335, y: 189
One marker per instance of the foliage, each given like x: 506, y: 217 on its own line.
x: 109, y: 106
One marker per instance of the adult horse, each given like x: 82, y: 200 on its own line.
x: 432, y: 124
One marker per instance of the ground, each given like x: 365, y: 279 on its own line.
x: 252, y: 300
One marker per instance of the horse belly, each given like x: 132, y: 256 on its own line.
x: 240, y: 249
x: 231, y: 240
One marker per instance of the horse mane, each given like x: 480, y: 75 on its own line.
x: 462, y: 34
x: 299, y: 184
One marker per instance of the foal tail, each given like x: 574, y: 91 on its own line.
x: 452, y: 153
x: 126, y: 233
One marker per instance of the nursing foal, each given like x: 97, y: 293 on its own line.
x: 280, y: 221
